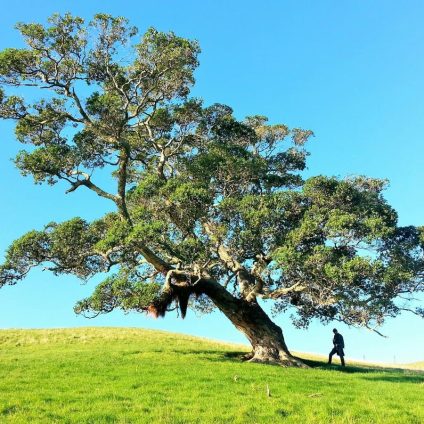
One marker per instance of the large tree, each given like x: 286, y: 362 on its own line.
x: 210, y: 211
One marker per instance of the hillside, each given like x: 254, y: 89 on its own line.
x: 117, y: 375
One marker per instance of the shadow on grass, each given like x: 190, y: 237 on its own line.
x: 215, y: 355
x: 210, y: 354
x: 394, y: 375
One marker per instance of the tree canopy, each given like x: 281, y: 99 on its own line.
x: 211, y: 211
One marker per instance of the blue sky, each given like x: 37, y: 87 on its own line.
x: 351, y: 71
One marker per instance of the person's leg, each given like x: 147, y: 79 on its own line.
x: 330, y: 356
x: 340, y: 352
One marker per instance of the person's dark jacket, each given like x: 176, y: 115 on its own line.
x: 338, y: 340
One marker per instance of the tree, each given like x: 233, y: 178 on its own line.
x: 211, y: 211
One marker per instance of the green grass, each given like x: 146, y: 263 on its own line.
x: 113, y: 375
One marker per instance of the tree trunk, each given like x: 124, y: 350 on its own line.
x: 266, y: 338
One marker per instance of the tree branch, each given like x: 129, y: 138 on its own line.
x: 276, y: 294
x: 245, y: 279
x: 122, y: 182
x: 87, y: 183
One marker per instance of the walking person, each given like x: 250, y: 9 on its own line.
x: 338, y: 344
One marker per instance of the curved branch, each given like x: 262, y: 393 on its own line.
x: 86, y: 182
x: 276, y: 294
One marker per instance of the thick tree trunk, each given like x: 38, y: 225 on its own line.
x: 266, y: 338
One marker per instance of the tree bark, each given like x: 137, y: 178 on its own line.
x: 266, y: 338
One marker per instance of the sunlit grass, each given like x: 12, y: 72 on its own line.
x: 113, y: 375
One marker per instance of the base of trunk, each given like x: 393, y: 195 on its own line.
x: 283, y: 362
x: 265, y: 356
x: 266, y: 338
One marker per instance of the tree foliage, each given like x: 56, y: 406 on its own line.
x: 201, y: 197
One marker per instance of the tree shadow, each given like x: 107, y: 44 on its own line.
x: 376, y: 373
x: 217, y: 355
x: 369, y: 372
x: 214, y: 355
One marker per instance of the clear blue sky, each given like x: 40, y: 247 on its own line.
x: 352, y: 71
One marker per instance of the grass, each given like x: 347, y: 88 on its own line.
x: 114, y: 375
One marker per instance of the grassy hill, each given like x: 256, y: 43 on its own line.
x: 117, y: 375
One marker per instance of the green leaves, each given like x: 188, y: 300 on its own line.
x: 16, y: 64
x: 65, y: 35
x: 347, y: 253
x: 29, y: 250
x: 11, y: 107
x: 115, y: 234
x: 63, y: 248
x: 121, y: 96
x: 47, y: 164
x: 187, y: 195
x: 168, y: 62
x: 107, y: 108
x: 119, y: 291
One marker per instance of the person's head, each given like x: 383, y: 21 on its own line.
x: 334, y: 330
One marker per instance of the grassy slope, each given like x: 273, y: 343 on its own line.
x: 112, y: 375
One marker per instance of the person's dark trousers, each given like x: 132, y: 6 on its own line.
x: 334, y: 351
x: 330, y: 356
